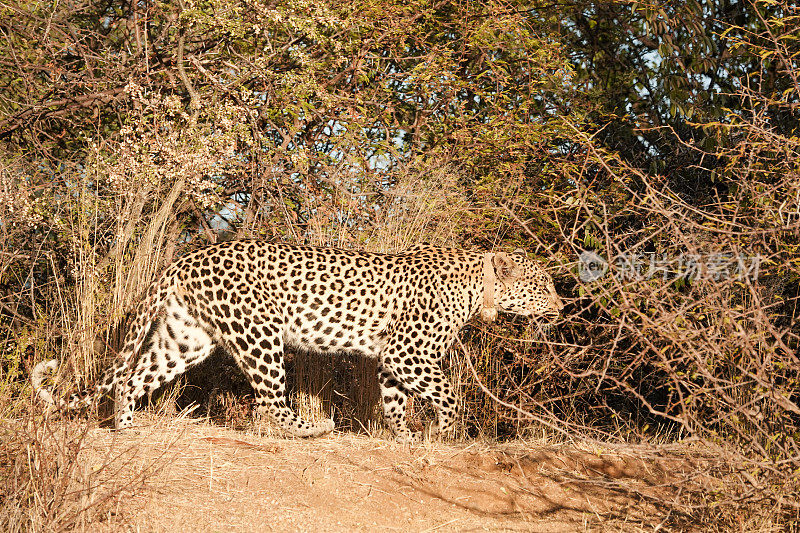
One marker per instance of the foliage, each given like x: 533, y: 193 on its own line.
x: 649, y: 133
x: 659, y: 71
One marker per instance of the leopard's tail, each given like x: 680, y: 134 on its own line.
x: 147, y: 315
x: 37, y: 378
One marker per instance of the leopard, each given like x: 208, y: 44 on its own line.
x: 256, y: 299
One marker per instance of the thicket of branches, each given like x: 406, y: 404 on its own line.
x: 662, y: 139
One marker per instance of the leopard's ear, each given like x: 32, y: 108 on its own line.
x: 520, y: 251
x: 505, y: 268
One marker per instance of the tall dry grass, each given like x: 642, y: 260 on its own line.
x: 75, y: 287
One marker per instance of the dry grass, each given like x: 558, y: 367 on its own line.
x: 45, y: 480
x: 53, y: 478
x: 178, y: 473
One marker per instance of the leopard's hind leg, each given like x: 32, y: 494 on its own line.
x: 177, y: 343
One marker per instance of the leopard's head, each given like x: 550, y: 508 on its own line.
x: 526, y: 288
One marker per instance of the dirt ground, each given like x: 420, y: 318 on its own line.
x: 174, y: 474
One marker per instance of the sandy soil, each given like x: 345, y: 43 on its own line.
x: 183, y: 475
